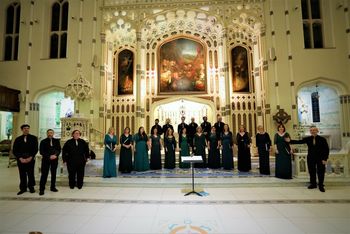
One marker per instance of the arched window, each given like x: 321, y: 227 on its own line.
x: 13, y: 14
x: 59, y: 29
x: 312, y: 23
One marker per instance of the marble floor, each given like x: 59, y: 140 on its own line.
x: 153, y: 205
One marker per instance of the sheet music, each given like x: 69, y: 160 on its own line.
x: 194, y: 158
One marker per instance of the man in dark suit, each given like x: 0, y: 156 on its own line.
x: 75, y: 153
x: 206, y: 126
x: 192, y: 129
x: 166, y: 126
x: 157, y: 126
x: 317, y: 156
x: 25, y: 148
x: 182, y: 125
x: 50, y: 149
x: 219, y: 126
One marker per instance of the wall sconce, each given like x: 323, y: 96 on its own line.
x: 23, y: 22
x: 339, y: 5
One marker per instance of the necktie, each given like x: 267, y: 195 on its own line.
x: 51, y: 142
x: 25, y: 139
x: 314, y: 141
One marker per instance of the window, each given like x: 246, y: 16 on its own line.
x: 315, y: 105
x: 312, y: 23
x: 59, y: 29
x: 13, y: 14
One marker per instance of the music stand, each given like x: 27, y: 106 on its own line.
x: 192, y: 160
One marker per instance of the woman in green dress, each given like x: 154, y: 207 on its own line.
x: 125, y: 157
x: 283, y: 153
x: 109, y: 164
x: 156, y: 145
x: 199, y: 144
x: 141, y: 161
x: 169, y: 148
x: 184, y: 148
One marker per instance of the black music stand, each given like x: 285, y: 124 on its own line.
x: 192, y: 160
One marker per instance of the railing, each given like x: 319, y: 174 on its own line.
x: 96, y: 138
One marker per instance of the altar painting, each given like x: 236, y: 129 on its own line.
x: 182, y: 66
x: 125, y: 72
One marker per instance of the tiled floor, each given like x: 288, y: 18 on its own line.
x: 245, y: 205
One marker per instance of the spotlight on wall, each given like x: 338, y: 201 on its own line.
x: 272, y: 54
x: 94, y: 61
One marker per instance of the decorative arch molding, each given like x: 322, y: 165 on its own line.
x: 339, y: 86
x: 121, y: 32
x: 185, y: 21
x: 244, y: 28
x: 177, y: 98
x: 47, y: 90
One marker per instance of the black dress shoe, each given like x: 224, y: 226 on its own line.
x: 311, y: 186
x: 41, y: 193
x: 32, y: 190
x: 21, y: 192
x: 54, y: 190
x: 71, y: 187
x: 79, y: 187
x: 322, y: 189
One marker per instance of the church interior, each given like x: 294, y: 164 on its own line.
x: 92, y: 65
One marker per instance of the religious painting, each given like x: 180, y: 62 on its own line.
x: 240, y: 70
x: 181, y: 67
x: 125, y: 72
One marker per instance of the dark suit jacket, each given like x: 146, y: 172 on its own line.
x: 158, y: 127
x: 206, y: 126
x: 166, y: 126
x: 319, y: 151
x: 46, y: 150
x: 219, y: 127
x: 75, y: 154
x: 180, y: 127
x: 26, y: 149
x: 192, y: 129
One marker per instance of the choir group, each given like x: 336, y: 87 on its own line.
x: 214, y: 143
x: 193, y: 139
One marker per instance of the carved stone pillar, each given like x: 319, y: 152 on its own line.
x: 224, y: 73
x: 102, y: 113
x: 140, y: 82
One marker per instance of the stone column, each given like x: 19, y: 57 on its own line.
x: 109, y: 84
x: 224, y: 74
x: 102, y: 113
x: 140, y: 83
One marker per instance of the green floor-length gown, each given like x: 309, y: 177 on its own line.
x: 109, y: 164
x: 185, y: 150
x: 141, y: 161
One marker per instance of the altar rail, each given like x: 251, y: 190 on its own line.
x: 337, y: 164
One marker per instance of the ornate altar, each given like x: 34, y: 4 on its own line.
x: 68, y: 125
